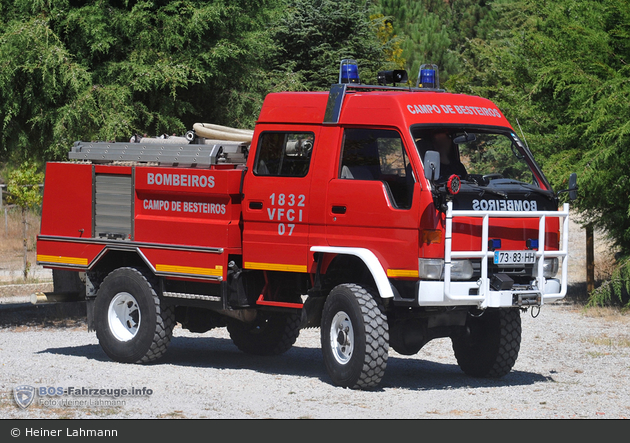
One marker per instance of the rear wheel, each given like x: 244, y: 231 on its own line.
x: 490, y: 346
x: 355, y: 337
x: 271, y: 333
x: 131, y: 324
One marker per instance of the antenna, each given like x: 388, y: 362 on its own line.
x: 522, y: 133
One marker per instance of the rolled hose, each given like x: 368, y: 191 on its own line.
x: 218, y: 132
x: 161, y: 140
x: 209, y: 132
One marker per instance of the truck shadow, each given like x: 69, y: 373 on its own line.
x: 413, y: 374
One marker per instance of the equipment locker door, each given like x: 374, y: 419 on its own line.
x: 276, y: 202
x: 371, y: 205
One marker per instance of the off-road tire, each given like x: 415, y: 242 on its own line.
x: 491, y: 345
x: 150, y: 339
x: 272, y: 333
x: 354, y: 337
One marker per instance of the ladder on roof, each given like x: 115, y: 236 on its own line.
x: 167, y: 154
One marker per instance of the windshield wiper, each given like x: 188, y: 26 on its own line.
x: 529, y: 187
x: 483, y: 189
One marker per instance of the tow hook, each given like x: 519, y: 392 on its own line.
x: 537, y: 310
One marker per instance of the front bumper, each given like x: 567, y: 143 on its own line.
x: 480, y: 293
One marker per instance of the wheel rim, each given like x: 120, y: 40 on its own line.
x: 342, y: 338
x: 124, y: 316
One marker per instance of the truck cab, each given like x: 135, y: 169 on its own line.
x: 363, y: 204
x: 361, y: 183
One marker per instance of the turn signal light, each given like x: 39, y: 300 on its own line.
x: 431, y: 236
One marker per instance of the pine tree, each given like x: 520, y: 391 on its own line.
x: 108, y: 69
x: 315, y: 35
x: 435, y: 31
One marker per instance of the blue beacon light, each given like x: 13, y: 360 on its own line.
x: 348, y: 71
x: 428, y: 77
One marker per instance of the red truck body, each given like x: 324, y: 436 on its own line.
x: 278, y: 233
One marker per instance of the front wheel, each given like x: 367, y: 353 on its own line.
x: 131, y: 324
x: 490, y: 346
x: 355, y: 337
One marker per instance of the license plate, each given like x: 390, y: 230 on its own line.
x: 507, y: 258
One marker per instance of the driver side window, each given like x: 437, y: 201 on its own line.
x: 378, y: 154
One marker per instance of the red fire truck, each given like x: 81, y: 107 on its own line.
x: 386, y: 215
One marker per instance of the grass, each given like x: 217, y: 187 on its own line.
x: 610, y: 342
x: 608, y: 313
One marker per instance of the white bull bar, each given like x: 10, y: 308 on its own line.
x: 452, y: 293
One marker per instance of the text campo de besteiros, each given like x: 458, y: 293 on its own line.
x: 58, y: 396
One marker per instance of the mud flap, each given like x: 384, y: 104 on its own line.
x: 312, y: 312
x: 89, y: 306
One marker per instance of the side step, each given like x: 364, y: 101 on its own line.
x: 279, y: 304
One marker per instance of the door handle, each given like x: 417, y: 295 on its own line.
x: 338, y: 209
x: 255, y: 205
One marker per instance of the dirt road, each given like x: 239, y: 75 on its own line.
x: 571, y: 365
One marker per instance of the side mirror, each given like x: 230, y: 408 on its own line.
x: 573, y: 186
x: 432, y: 165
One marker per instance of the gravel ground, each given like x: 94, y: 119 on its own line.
x: 571, y: 365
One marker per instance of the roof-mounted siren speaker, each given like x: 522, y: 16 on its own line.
x: 349, y: 71
x: 428, y: 77
x: 396, y: 76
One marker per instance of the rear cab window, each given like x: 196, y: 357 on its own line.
x: 284, y: 154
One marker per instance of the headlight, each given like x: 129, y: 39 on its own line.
x: 461, y: 270
x: 550, y: 268
x: 433, y: 269
x: 430, y: 268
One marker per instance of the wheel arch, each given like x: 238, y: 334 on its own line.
x: 370, y: 262
x: 113, y: 258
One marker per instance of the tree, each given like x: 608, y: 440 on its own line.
x: 23, y: 190
x: 390, y: 41
x: 435, y: 31
x: 313, y: 36
x: 104, y: 70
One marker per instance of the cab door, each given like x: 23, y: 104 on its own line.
x: 371, y: 204
x: 276, y: 201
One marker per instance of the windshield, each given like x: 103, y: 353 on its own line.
x: 479, y: 155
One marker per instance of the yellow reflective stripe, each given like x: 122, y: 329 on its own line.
x: 217, y: 271
x: 402, y: 273
x: 62, y: 260
x: 274, y: 267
